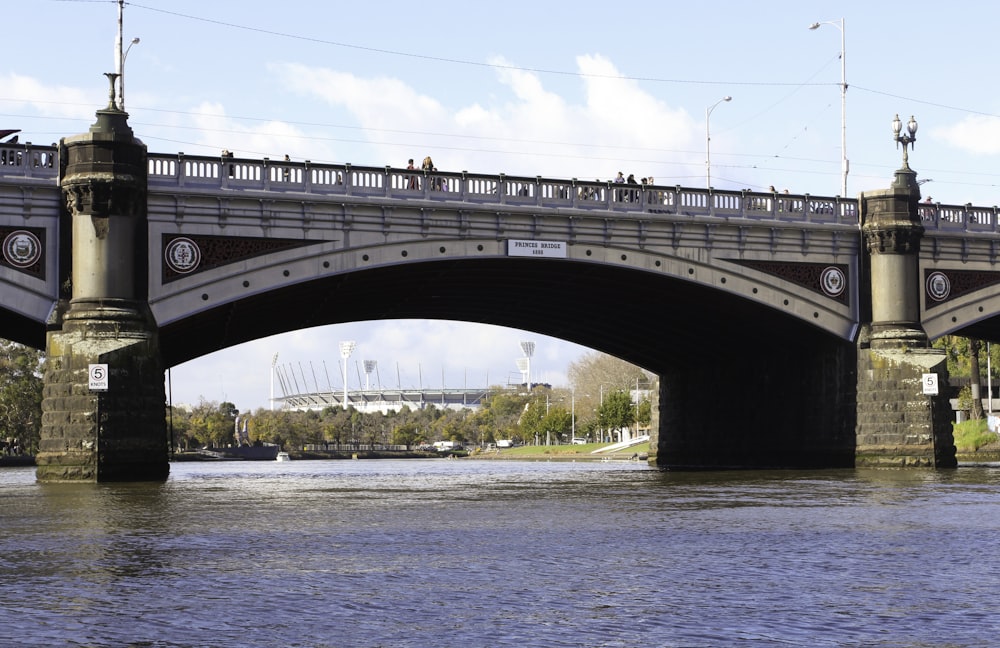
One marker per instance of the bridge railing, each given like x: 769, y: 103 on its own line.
x: 244, y: 174
x: 29, y: 161
x: 959, y: 218
x: 230, y: 173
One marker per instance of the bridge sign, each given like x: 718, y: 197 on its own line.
x: 97, y: 377
x: 930, y: 383
x: 521, y: 247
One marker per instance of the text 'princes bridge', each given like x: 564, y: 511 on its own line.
x: 786, y: 331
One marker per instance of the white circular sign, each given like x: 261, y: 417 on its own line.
x: 22, y: 249
x: 833, y: 281
x: 182, y: 255
x: 938, y: 286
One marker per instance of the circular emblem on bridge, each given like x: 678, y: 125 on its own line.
x: 938, y: 286
x: 832, y: 281
x: 22, y: 249
x: 182, y: 255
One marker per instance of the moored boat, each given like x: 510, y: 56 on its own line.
x: 243, y: 449
x: 256, y: 452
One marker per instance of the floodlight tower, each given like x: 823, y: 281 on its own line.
x: 369, y: 368
x: 522, y: 366
x: 346, y: 349
x: 274, y: 361
x: 528, y: 348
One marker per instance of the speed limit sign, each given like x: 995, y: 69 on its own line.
x: 97, y: 377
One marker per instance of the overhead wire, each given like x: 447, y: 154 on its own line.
x: 796, y: 87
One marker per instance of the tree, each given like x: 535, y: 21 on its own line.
x: 617, y: 411
x: 558, y: 421
x: 498, y: 416
x: 407, y: 434
x: 20, y: 397
x: 214, y: 424
x: 597, y: 373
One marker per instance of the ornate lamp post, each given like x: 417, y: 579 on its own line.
x: 906, y: 139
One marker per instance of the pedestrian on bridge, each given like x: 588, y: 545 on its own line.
x: 412, y: 184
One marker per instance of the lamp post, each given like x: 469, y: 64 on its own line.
x: 121, y: 79
x: 572, y: 415
x: 120, y: 55
x: 708, y: 141
x: 907, y: 139
x: 844, y: 164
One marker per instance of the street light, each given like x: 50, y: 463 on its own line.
x: 708, y: 141
x: 121, y: 79
x: 906, y: 140
x: 572, y: 424
x: 844, y: 164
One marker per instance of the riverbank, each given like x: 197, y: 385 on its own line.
x: 9, y: 461
x: 582, y: 452
x: 365, y: 454
x: 985, y: 456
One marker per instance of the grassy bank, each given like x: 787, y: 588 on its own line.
x: 974, y: 443
x: 562, y: 452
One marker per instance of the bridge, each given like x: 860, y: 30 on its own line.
x: 782, y: 292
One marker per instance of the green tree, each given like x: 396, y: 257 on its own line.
x: 645, y: 417
x: 616, y: 412
x: 559, y: 422
x: 531, y: 419
x: 595, y: 374
x: 498, y: 416
x: 213, y: 423
x: 407, y: 434
x: 20, y: 396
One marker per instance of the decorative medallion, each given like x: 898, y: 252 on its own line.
x: 938, y: 286
x: 186, y: 255
x: 182, y: 255
x: 833, y: 281
x: 22, y: 249
x: 828, y: 280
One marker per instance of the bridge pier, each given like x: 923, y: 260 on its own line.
x: 789, y: 405
x: 897, y: 423
x: 115, y: 431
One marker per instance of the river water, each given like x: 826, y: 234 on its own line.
x: 470, y: 553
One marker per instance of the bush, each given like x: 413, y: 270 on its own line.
x: 972, y: 435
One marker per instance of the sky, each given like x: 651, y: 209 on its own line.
x: 557, y: 89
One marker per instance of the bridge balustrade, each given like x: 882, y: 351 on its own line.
x: 228, y: 173
x: 29, y: 161
x: 964, y: 218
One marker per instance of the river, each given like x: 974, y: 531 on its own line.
x: 466, y: 553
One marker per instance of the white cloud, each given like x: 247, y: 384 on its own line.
x: 976, y: 134
x: 272, y: 138
x: 47, y: 100
x: 525, y: 129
